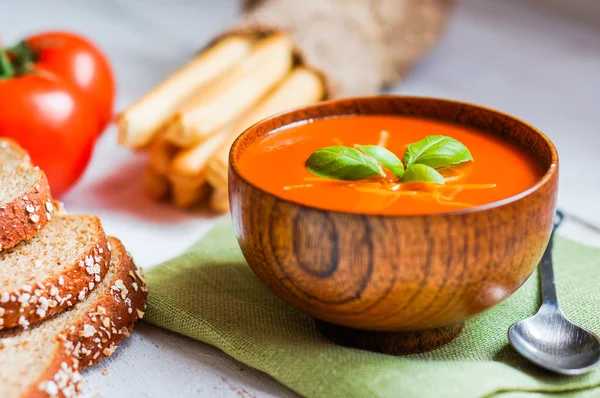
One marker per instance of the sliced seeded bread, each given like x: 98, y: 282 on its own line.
x: 44, y: 361
x: 53, y: 270
x: 25, y: 200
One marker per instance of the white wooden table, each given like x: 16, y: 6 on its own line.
x: 540, y: 65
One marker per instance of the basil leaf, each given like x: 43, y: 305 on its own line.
x: 385, y: 157
x: 423, y: 173
x: 437, y: 151
x: 342, y: 163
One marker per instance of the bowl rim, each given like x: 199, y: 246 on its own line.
x: 550, y: 173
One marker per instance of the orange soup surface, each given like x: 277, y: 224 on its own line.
x: 276, y: 163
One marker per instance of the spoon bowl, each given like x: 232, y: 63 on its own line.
x: 552, y: 342
x: 548, y: 338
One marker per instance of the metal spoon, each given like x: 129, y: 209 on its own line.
x: 548, y: 338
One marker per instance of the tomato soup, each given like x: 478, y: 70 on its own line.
x: 277, y: 164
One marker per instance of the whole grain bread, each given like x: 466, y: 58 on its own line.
x: 25, y: 200
x: 53, y: 270
x: 45, y: 360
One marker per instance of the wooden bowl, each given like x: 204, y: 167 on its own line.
x: 395, y: 284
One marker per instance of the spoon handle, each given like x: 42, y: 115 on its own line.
x: 549, y: 297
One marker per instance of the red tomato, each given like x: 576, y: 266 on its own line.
x: 56, y: 96
x: 78, y: 62
x: 53, y: 121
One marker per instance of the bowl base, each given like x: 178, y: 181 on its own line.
x: 391, y: 343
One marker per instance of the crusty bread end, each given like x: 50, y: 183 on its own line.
x: 26, y: 203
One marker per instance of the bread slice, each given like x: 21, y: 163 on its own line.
x: 53, y: 270
x: 25, y: 199
x: 45, y: 360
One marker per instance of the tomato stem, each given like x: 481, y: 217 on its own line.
x: 6, y: 69
x: 23, y: 58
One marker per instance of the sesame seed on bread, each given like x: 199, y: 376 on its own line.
x: 25, y: 200
x: 45, y: 360
x: 55, y: 269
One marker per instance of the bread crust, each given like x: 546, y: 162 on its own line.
x: 69, y: 373
x: 29, y: 212
x: 88, y: 340
x: 125, y: 304
x: 33, y: 303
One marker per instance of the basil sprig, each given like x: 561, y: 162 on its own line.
x: 437, y: 151
x: 343, y: 163
x: 421, y: 160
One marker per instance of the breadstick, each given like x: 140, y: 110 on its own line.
x: 140, y: 123
x: 302, y: 87
x: 216, y: 173
x: 219, y: 200
x: 192, y: 161
x: 161, y: 155
x: 155, y: 184
x: 186, y: 196
x: 188, y: 191
x: 189, y: 182
x: 226, y: 100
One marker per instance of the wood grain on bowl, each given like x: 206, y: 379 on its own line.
x: 396, y: 273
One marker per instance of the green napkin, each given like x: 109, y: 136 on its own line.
x: 210, y: 294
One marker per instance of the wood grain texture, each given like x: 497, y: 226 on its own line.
x: 396, y: 273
